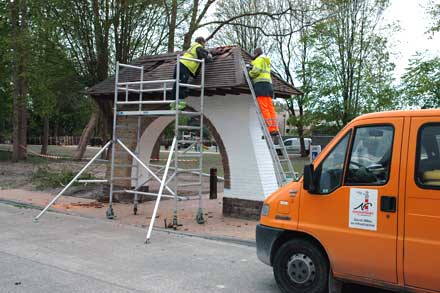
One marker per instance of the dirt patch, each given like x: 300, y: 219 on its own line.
x: 215, y: 225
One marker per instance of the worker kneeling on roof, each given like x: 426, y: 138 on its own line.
x: 260, y: 75
x: 189, y: 68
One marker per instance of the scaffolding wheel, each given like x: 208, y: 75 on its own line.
x: 109, y: 213
x: 135, y: 210
x: 199, y: 217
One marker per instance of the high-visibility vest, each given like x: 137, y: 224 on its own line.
x: 261, y: 69
x: 191, y: 53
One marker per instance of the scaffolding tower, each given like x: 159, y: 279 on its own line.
x: 193, y: 147
x: 129, y: 101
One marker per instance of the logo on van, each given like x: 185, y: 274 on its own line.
x: 365, y: 205
x: 363, y: 209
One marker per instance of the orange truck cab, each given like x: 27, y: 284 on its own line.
x: 366, y: 211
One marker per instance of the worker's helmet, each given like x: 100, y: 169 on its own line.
x: 201, y: 40
x: 257, y: 52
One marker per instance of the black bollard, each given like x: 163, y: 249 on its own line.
x: 213, y: 183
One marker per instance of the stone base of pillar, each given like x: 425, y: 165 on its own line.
x: 123, y: 197
x: 242, y: 208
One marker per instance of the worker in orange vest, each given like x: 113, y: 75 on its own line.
x: 262, y: 81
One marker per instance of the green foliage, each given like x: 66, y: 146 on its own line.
x: 54, y: 84
x: 433, y: 10
x: 421, y: 82
x: 45, y: 178
x: 5, y: 156
x: 351, y: 68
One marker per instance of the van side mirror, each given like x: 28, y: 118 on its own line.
x: 308, y: 182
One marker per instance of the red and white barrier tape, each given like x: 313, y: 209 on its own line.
x: 63, y: 157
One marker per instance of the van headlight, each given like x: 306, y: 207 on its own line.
x: 265, y: 210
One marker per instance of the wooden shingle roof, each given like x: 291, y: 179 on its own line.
x: 222, y: 76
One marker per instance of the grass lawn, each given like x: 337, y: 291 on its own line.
x: 54, y: 150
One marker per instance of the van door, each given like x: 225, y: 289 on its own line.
x: 352, y: 211
x: 422, y: 214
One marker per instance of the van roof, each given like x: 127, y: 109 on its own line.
x: 400, y: 113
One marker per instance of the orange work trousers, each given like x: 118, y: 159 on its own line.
x: 268, y: 111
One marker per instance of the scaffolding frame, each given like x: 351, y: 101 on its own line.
x: 123, y: 96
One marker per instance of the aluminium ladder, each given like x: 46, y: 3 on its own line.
x: 130, y: 95
x: 284, y: 171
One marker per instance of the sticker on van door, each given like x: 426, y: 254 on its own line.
x: 363, y: 209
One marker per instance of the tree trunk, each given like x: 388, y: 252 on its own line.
x: 303, y: 146
x: 172, y: 27
x: 19, y: 27
x: 45, y: 135
x: 86, y: 135
x: 187, y: 40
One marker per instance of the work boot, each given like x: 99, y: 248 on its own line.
x: 181, y: 106
x: 275, y: 137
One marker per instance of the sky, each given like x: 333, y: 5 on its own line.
x: 414, y: 22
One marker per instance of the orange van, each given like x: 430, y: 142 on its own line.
x: 366, y: 211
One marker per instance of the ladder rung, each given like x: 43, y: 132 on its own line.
x: 150, y: 102
x: 118, y: 191
x: 188, y: 170
x: 132, y: 90
x: 160, y: 81
x: 125, y: 178
x: 189, y: 113
x: 156, y: 113
x: 147, y: 113
x: 189, y: 184
x: 191, y: 86
x: 189, y: 127
x: 186, y: 155
x: 187, y: 141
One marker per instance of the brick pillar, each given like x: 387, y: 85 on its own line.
x: 127, y: 133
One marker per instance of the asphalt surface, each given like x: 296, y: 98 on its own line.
x: 63, y: 253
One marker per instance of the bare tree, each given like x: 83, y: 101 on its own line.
x: 244, y: 31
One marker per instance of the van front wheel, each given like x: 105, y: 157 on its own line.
x: 300, y: 266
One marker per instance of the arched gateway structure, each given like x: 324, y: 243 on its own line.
x: 230, y: 115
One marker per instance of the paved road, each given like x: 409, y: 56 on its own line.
x: 74, y: 254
